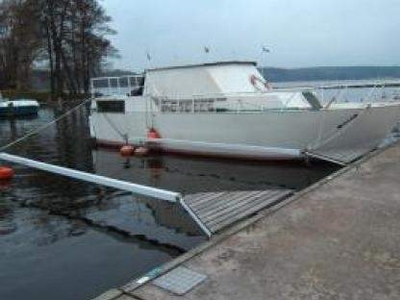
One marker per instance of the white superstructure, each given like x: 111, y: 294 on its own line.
x: 229, y: 109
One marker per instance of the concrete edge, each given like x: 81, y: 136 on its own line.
x: 109, y: 295
x: 136, y: 283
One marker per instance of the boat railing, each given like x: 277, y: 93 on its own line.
x: 366, y: 94
x: 130, y: 85
x: 244, y: 101
x: 212, y: 102
x: 165, y: 104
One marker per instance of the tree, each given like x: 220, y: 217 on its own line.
x: 69, y: 35
x: 20, y: 43
x: 75, y: 32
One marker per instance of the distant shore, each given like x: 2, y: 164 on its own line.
x: 331, y: 73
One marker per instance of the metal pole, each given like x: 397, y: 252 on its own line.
x: 129, y: 85
x: 196, y: 218
x: 92, y: 88
x: 96, y: 179
x: 118, y: 86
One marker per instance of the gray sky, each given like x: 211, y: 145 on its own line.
x: 299, y: 33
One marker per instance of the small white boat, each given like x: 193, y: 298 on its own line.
x: 229, y: 109
x: 15, y: 108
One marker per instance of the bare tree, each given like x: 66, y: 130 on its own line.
x: 71, y: 35
x: 20, y: 43
x: 76, y: 42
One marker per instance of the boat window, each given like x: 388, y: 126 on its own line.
x: 111, y: 106
x: 137, y: 84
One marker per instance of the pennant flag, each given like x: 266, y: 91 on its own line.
x: 265, y: 49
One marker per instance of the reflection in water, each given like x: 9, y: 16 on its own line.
x: 192, y: 175
x: 7, y: 225
x: 57, y: 229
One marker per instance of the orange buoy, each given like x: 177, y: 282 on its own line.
x: 153, y: 134
x: 6, y: 173
x: 141, y: 151
x: 126, y: 150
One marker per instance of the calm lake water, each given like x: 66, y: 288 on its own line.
x: 64, y: 239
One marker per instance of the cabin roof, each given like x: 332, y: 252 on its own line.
x: 210, y: 64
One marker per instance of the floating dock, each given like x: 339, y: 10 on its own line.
x: 338, y: 239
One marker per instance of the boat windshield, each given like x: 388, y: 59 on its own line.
x: 131, y: 85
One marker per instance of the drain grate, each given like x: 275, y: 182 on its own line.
x: 180, y: 280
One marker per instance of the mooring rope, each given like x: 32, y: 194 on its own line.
x: 44, y: 126
x: 125, y: 136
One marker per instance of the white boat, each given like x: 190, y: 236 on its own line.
x: 229, y: 109
x: 15, y: 108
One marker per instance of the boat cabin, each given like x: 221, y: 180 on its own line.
x: 209, y: 87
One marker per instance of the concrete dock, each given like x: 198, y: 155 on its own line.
x: 339, y: 239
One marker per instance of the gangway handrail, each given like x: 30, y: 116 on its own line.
x: 93, y: 178
x: 134, y: 188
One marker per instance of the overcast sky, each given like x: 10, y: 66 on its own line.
x: 299, y: 33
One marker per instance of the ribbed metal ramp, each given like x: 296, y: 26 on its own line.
x: 217, y: 211
x: 211, y: 211
x: 341, y: 157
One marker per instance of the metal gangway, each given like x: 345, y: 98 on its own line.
x: 212, y: 212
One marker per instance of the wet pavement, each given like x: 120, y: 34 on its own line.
x: 338, y: 239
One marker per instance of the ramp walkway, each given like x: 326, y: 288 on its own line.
x: 218, y: 211
x: 212, y: 212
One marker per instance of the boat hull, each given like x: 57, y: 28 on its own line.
x: 259, y: 135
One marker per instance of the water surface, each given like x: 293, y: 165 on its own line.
x: 65, y: 239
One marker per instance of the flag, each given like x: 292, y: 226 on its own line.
x: 265, y: 49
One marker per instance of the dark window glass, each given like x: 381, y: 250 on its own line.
x: 137, y: 84
x: 111, y: 106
